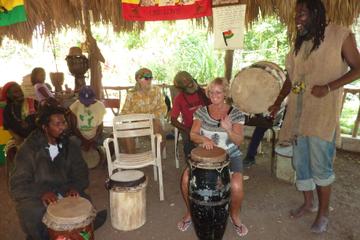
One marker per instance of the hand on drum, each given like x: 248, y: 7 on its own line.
x: 48, y: 197
x: 208, y: 144
x: 320, y: 91
x: 72, y: 193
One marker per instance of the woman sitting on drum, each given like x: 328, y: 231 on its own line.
x: 221, y: 124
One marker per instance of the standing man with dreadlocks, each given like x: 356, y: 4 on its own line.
x: 323, y: 59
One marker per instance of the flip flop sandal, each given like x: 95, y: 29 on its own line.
x: 184, y: 225
x: 241, y: 230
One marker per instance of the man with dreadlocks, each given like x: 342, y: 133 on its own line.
x: 190, y: 98
x: 323, y: 59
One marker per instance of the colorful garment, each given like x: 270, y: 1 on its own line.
x: 38, y: 94
x: 88, y: 118
x: 148, y: 101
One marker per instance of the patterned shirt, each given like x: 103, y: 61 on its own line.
x: 211, y: 127
x: 151, y: 101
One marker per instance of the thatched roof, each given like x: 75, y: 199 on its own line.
x: 47, y: 16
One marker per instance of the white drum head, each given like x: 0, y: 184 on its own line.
x: 127, y: 176
x: 69, y: 213
x: 255, y: 89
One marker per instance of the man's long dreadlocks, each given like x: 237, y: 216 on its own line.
x: 317, y: 24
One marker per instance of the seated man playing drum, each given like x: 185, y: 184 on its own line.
x: 48, y: 165
x: 87, y: 122
x: 220, y: 124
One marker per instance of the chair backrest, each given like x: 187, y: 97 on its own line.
x: 132, y: 125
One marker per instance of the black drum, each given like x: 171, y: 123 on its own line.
x: 209, y: 192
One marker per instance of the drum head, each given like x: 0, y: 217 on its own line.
x: 128, y: 178
x: 68, y: 211
x: 208, y: 158
x: 91, y: 157
x: 255, y: 89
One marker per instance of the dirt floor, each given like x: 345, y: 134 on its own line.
x: 265, y: 208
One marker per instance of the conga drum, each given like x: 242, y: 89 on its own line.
x: 70, y: 218
x: 209, y: 192
x: 255, y: 88
x: 127, y: 199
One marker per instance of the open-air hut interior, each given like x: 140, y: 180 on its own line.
x: 47, y: 17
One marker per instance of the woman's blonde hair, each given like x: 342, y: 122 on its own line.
x: 223, y: 82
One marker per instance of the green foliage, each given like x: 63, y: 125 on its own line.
x: 198, y: 57
x: 266, y: 40
x: 133, y: 40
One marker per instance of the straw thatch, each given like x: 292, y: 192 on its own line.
x: 48, y: 16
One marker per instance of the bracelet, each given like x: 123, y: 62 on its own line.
x: 328, y: 87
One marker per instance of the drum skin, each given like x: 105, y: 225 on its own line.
x: 255, y: 88
x: 209, y: 193
x: 127, y: 200
x: 70, y: 218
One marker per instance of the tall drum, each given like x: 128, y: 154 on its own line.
x: 255, y: 88
x: 127, y: 199
x: 70, y: 218
x: 209, y: 192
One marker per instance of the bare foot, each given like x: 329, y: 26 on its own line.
x: 320, y: 225
x: 303, y: 209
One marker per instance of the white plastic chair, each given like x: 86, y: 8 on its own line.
x: 135, y: 125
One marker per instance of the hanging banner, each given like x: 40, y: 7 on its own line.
x: 12, y: 11
x: 155, y: 10
x: 229, y: 27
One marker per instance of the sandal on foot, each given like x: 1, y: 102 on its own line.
x: 241, y: 230
x: 184, y: 225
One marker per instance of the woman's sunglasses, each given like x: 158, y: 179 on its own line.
x: 147, y: 77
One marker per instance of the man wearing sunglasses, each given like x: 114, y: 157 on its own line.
x: 144, y: 98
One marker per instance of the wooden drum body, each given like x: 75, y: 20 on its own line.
x: 209, y: 192
x: 255, y: 88
x: 127, y: 199
x: 70, y: 218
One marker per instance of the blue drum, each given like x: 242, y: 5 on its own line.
x: 209, y: 192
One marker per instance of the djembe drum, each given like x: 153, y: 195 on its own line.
x: 255, y: 88
x: 70, y: 218
x: 209, y: 192
x: 127, y: 199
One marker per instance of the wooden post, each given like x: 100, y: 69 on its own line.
x: 95, y: 56
x: 229, y: 58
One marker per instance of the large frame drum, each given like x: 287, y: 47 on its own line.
x: 70, y: 218
x: 255, y: 88
x: 209, y: 192
x: 127, y: 199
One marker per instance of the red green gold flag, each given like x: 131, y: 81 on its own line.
x: 12, y: 11
x: 156, y: 10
